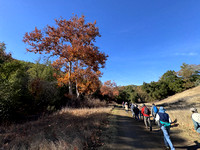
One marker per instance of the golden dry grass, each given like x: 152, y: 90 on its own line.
x: 185, y: 125
x: 71, y: 129
x: 190, y: 96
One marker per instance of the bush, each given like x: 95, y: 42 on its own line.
x: 87, y: 102
x: 197, y: 83
x: 14, y: 95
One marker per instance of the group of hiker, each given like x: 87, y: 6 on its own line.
x: 160, y: 117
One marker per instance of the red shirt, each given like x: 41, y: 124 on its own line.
x: 142, y: 111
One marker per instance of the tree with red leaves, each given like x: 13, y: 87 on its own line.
x: 109, y: 89
x: 72, y: 43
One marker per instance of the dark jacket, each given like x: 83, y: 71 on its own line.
x: 136, y: 110
x: 164, y: 117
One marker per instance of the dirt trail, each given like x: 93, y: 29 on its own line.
x: 132, y: 135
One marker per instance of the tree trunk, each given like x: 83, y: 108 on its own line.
x: 77, y: 92
x: 70, y: 83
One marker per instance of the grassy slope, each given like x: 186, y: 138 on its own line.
x: 67, y: 129
x: 178, y: 106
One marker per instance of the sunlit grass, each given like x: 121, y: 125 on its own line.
x: 65, y: 129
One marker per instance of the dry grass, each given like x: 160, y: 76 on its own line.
x: 71, y: 129
x: 191, y: 95
x: 88, y: 102
x: 185, y: 125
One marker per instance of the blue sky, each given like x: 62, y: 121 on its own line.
x: 143, y: 38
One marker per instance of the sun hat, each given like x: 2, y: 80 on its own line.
x: 161, y: 109
x: 193, y: 109
x: 196, y: 117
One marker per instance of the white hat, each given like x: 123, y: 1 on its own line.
x: 193, y: 109
x: 196, y: 117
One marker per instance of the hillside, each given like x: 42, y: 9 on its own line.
x: 184, y: 100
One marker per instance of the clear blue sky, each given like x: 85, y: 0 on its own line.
x: 143, y: 38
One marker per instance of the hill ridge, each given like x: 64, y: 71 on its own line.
x: 185, y: 99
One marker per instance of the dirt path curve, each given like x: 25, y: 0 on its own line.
x: 132, y: 135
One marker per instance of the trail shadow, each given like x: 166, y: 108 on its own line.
x: 117, y: 106
x: 196, y: 146
x: 132, y: 134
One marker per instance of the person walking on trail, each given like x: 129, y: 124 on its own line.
x: 146, y: 114
x: 123, y: 104
x: 140, y: 114
x: 165, y: 123
x: 154, y: 111
x: 126, y: 106
x: 136, y: 112
x: 132, y: 108
x: 130, y: 105
x: 195, y: 119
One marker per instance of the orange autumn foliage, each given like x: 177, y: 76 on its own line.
x: 72, y: 43
x: 110, y: 89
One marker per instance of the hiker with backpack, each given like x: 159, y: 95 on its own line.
x: 123, y: 104
x: 132, y: 108
x: 154, y: 111
x: 195, y: 119
x: 146, y: 114
x: 126, y: 107
x: 165, y: 124
x: 136, y: 112
x: 140, y: 114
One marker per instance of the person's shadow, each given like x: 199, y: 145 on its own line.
x: 196, y: 146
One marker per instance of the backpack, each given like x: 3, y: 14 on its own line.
x: 146, y: 111
x: 136, y: 110
x: 155, y: 109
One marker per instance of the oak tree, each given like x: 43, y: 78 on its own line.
x: 72, y: 43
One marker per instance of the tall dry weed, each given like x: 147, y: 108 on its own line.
x: 66, y: 129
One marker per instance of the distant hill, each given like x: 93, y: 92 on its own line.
x: 183, y: 100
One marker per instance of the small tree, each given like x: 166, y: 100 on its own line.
x: 190, y: 74
x: 109, y: 89
x: 174, y: 82
x: 43, y: 71
x: 3, y: 55
x: 72, y: 42
x: 14, y: 94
